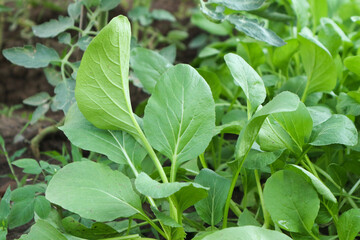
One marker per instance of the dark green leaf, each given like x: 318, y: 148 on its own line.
x: 5, y: 206
x: 165, y: 219
x: 53, y: 27
x: 107, y: 5
x: 349, y: 224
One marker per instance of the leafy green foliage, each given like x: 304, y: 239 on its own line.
x: 53, y: 27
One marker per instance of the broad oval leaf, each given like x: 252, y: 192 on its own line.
x: 247, y: 78
x: 102, y: 85
x: 118, y: 146
x: 246, y: 233
x: 348, y: 226
x: 210, y: 209
x: 53, y: 27
x: 284, y: 195
x: 31, y: 57
x: 180, y: 115
x: 318, y: 63
x: 338, y: 129
x: 148, y: 66
x: 93, y: 191
x: 247, y: 5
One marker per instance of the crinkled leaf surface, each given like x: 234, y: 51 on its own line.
x: 283, y: 102
x: 180, y: 115
x: 348, y: 226
x: 148, y: 66
x: 246, y: 233
x: 338, y: 129
x: 31, y: 57
x: 53, y: 27
x: 247, y: 78
x: 210, y: 209
x: 118, y: 146
x: 93, y: 191
x: 102, y: 84
x: 246, y: 5
x: 255, y: 30
x: 291, y: 201
x: 318, y: 63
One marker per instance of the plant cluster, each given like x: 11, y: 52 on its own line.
x: 250, y: 142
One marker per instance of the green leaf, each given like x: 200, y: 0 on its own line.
x: 319, y: 114
x: 5, y: 206
x: 320, y: 187
x: 44, y: 231
x: 220, y: 29
x: 283, y: 102
x: 246, y: 218
x: 52, y: 76
x: 64, y: 95
x: 282, y: 55
x: 74, y: 10
x: 352, y: 63
x: 301, y: 8
x: 247, y: 5
x: 42, y: 206
x: 29, y: 165
x: 104, y: 71
x: 162, y: 15
x: 53, y: 27
x: 39, y: 112
x: 94, y: 196
x: 31, y: 57
x: 165, y: 219
x: 348, y: 105
x: 149, y: 187
x: 107, y: 5
x: 118, y: 146
x: 180, y: 115
x: 96, y: 231
x: 253, y: 29
x: 246, y: 233
x: 319, y: 9
x: 284, y: 199
x: 148, y: 66
x: 169, y: 53
x: 338, y: 129
x: 248, y: 79
x: 318, y: 63
x: 259, y: 160
x: 37, y: 99
x: 21, y: 212
x: 208, y: 52
x: 348, y: 226
x: 4, y: 9
x: 210, y: 209
x: 213, y: 81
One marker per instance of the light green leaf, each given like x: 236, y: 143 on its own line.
x: 39, y: 112
x: 94, y: 196
x: 248, y: 79
x: 319, y: 114
x: 253, y: 29
x: 118, y: 146
x: 353, y: 64
x: 21, y: 212
x: 220, y: 29
x: 102, y: 84
x: 64, y: 95
x: 282, y: 55
x: 37, y: 99
x: 5, y: 205
x: 162, y: 15
x: 319, y: 9
x: 283, y: 102
x: 107, y: 5
x: 338, y: 30
x: 53, y: 27
x: 301, y: 8
x: 284, y: 199
x: 74, y: 10
x: 348, y: 226
x: 318, y: 63
x: 259, y: 160
x: 247, y: 5
x: 246, y: 218
x: 44, y: 231
x: 320, y: 187
x: 42, y: 206
x: 148, y: 66
x: 31, y: 57
x: 180, y: 115
x: 208, y: 52
x: 246, y: 233
x: 29, y: 165
x: 165, y: 219
x: 96, y: 231
x: 52, y: 76
x: 338, y: 129
x: 210, y: 209
x: 348, y: 105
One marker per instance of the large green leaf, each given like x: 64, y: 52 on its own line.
x: 53, y: 27
x: 248, y: 79
x: 283, y: 102
x: 318, y: 63
x: 246, y: 233
x: 210, y: 209
x: 180, y: 115
x: 338, y: 129
x: 93, y: 191
x: 44, y: 231
x: 353, y: 63
x: 102, y: 84
x: 246, y: 5
x: 148, y: 66
x: 348, y: 226
x: 253, y: 29
x: 291, y: 201
x: 118, y: 146
x: 31, y: 57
